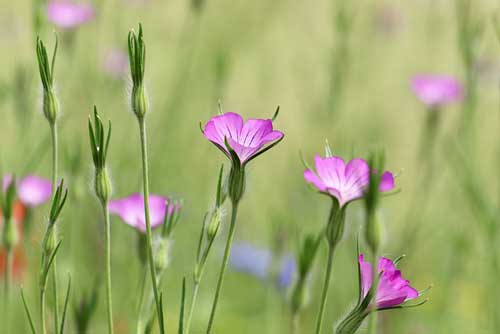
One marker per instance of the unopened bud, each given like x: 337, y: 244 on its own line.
x: 161, y: 256
x: 214, y: 223
x: 139, y: 101
x: 102, y: 185
x: 50, y: 106
x: 10, y: 237
x: 51, y: 241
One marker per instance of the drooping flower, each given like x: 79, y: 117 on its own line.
x: 345, y: 182
x: 69, y: 15
x: 393, y: 289
x: 437, y: 90
x: 258, y: 262
x: 247, y: 139
x: 131, y: 210
x: 32, y: 191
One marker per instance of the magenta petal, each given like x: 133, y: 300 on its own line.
x: 386, y: 182
x: 253, y: 132
x: 435, y: 90
x: 33, y: 190
x: 66, y: 14
x: 312, y: 178
x: 331, y: 170
x: 366, y: 275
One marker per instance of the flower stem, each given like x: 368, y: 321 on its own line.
x: 42, y: 310
x: 372, y: 321
x: 140, y: 323
x: 53, y: 132
x: 225, y: 260
x: 326, y: 285
x: 108, y: 266
x: 8, y: 278
x: 142, y: 129
x: 193, y: 303
x: 295, y: 323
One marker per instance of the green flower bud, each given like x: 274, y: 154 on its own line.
x: 335, y: 226
x: 139, y: 101
x: 161, y: 256
x: 50, y: 241
x: 214, y: 224
x: 102, y: 185
x: 10, y: 236
x: 50, y: 106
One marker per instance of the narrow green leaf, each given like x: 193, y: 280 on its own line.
x: 66, y: 300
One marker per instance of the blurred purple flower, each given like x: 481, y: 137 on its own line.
x: 437, y: 90
x: 68, y: 15
x: 392, y: 290
x: 31, y: 191
x: 258, y: 262
x: 115, y: 63
x: 131, y: 210
x: 344, y: 182
x: 247, y: 139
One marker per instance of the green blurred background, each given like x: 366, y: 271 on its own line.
x: 340, y: 71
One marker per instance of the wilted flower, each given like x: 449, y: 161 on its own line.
x: 69, y: 15
x: 345, y: 182
x: 436, y: 90
x: 32, y: 190
x: 131, y: 210
x: 392, y: 289
x: 247, y: 139
x: 258, y: 262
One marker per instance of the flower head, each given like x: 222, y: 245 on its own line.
x: 247, y: 139
x: 131, y: 210
x: 69, y: 15
x: 436, y: 90
x: 32, y: 190
x: 393, y: 289
x: 345, y: 182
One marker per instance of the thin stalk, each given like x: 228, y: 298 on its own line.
x: 326, y: 285
x: 42, y: 310
x: 372, y: 321
x: 140, y: 325
x: 53, y: 133
x: 192, y: 306
x: 225, y: 260
x: 295, y: 323
x: 8, y: 278
x: 108, y: 267
x: 149, y: 242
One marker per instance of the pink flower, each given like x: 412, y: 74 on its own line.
x: 344, y: 182
x: 131, y: 210
x: 436, y: 90
x: 69, y: 15
x: 32, y: 190
x: 248, y: 139
x: 393, y: 289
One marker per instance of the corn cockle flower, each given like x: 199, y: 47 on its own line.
x: 131, y: 210
x: 241, y: 142
x: 32, y: 190
x: 344, y: 182
x: 69, y: 15
x: 436, y: 90
x: 392, y: 292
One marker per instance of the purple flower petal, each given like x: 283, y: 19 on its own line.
x: 250, y: 260
x: 345, y: 182
x: 68, y: 15
x: 131, y: 210
x: 392, y: 289
x: 34, y: 190
x: 288, y: 269
x: 245, y: 138
x: 437, y: 90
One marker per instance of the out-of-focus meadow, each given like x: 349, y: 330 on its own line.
x: 339, y: 70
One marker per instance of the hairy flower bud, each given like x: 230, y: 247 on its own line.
x: 10, y: 237
x: 162, y: 255
x: 102, y: 185
x: 139, y: 101
x: 50, y: 106
x: 50, y: 241
x: 214, y: 223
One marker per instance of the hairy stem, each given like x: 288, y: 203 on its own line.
x: 225, y: 260
x: 326, y: 285
x: 149, y: 242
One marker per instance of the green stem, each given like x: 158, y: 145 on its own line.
x: 142, y: 129
x: 42, y: 310
x: 140, y: 324
x: 192, y: 306
x: 225, y: 260
x: 108, y: 267
x: 295, y: 323
x: 326, y: 285
x: 372, y: 321
x: 8, y: 278
x: 53, y: 133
